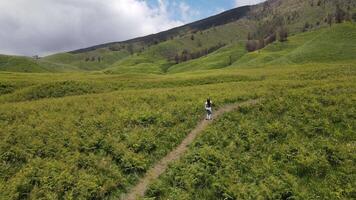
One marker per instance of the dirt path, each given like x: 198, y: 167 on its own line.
x: 156, y: 170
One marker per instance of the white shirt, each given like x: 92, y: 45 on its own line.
x: 206, y: 105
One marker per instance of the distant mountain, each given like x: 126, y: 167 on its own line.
x: 221, y: 39
x: 217, y: 20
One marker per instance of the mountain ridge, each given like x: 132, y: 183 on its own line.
x: 161, y: 52
x: 202, y: 24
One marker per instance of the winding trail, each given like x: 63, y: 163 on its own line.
x: 161, y: 166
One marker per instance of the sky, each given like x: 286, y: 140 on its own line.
x: 43, y: 27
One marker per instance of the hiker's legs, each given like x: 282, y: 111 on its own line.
x: 209, y: 114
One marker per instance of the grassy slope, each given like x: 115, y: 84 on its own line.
x: 79, y: 60
x: 62, y: 62
x: 324, y: 45
x: 306, y: 13
x: 154, y: 59
x: 19, y: 64
x: 300, y: 48
x: 158, y: 58
x: 219, y: 59
x: 27, y: 64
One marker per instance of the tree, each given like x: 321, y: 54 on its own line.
x: 176, y: 58
x: 130, y: 48
x: 114, y: 48
x: 339, y: 15
x: 251, y: 45
x: 261, y: 44
x: 230, y: 60
x: 199, y: 43
x: 192, y: 37
x: 306, y: 26
x: 329, y: 19
x: 249, y: 36
x: 283, y: 34
x: 348, y: 17
x: 270, y: 39
x: 184, y: 55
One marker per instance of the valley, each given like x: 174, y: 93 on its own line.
x: 89, y: 124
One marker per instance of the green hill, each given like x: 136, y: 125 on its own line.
x: 157, y: 53
x: 156, y: 56
x: 329, y: 44
x: 93, y: 133
x: 189, y: 41
x: 27, y: 64
x: 325, y: 45
x: 19, y: 64
x: 88, y: 61
x: 321, y: 45
x: 221, y: 58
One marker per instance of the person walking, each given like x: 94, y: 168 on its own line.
x: 209, y: 110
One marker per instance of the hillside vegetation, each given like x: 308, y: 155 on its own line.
x: 337, y: 43
x: 178, y: 49
x: 19, y: 64
x: 61, y: 140
x: 326, y: 45
x: 298, y: 143
x: 93, y: 131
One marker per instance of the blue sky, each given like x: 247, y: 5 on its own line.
x: 199, y: 9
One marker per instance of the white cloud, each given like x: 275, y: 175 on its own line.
x: 47, y: 26
x: 186, y: 12
x: 239, y: 3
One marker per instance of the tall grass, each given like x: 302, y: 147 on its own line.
x: 297, y: 143
x: 72, y: 136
